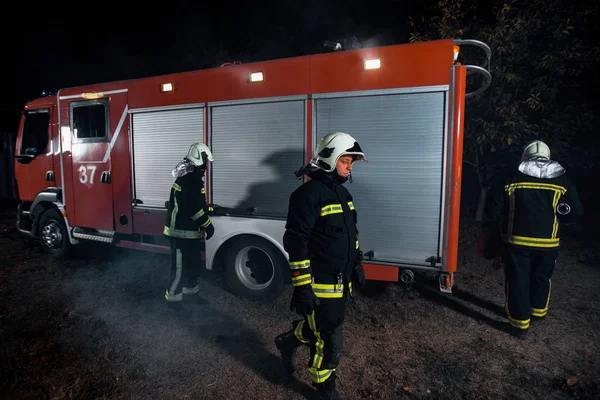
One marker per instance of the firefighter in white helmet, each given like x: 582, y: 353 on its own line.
x: 187, y: 223
x: 530, y: 205
x: 324, y: 257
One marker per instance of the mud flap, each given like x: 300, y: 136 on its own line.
x: 446, y: 280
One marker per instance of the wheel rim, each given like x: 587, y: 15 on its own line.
x: 52, y: 235
x: 254, y: 268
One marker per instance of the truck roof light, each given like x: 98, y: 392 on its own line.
x: 256, y: 77
x: 456, y: 52
x: 166, y: 87
x: 372, y: 63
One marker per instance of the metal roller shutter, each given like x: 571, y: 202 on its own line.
x: 160, y: 140
x: 257, y: 147
x: 397, y: 193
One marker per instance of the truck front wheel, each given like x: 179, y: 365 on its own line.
x: 254, y: 269
x: 54, y: 237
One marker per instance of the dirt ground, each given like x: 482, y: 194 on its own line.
x: 96, y: 327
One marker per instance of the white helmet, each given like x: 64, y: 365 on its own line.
x: 333, y: 146
x: 195, y: 154
x: 535, y: 149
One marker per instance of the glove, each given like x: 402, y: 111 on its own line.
x: 359, y: 275
x: 210, y: 231
x: 304, y: 300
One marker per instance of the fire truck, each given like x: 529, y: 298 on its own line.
x: 93, y: 163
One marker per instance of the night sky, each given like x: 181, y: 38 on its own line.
x: 56, y: 49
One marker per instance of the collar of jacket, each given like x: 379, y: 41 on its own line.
x: 331, y: 179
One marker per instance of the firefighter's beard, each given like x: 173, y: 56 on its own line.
x: 184, y: 167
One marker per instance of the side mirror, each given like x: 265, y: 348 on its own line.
x: 24, y: 159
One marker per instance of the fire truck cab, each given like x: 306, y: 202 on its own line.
x: 94, y: 162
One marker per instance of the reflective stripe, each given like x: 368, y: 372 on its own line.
x: 173, y: 297
x: 181, y: 234
x: 300, y: 264
x: 198, y: 215
x: 535, y: 185
x: 357, y: 243
x: 177, y: 187
x: 207, y: 223
x: 320, y: 376
x: 536, y: 312
x: 531, y: 242
x: 519, y: 323
x: 331, y: 209
x: 298, y: 332
x: 203, y: 191
x: 301, y: 280
x: 170, y: 293
x: 330, y: 291
x: 316, y: 374
x: 351, y: 205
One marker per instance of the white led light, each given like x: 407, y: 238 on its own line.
x: 166, y: 87
x: 373, y: 63
x: 256, y: 77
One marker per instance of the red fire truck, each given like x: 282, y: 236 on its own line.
x: 94, y: 162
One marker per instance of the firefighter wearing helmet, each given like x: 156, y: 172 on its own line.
x: 530, y: 206
x: 324, y: 258
x: 187, y: 222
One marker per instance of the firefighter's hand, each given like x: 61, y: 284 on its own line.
x: 359, y: 275
x: 210, y: 231
x: 304, y: 300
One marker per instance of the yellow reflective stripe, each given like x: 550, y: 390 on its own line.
x: 207, y: 223
x: 174, y: 213
x: 357, y: 243
x: 320, y: 376
x: 554, y: 205
x: 198, y: 215
x: 300, y: 264
x: 535, y: 185
x: 181, y: 234
x: 317, y: 360
x: 329, y: 291
x: 531, y: 242
x: 536, y: 312
x: 519, y: 323
x: 351, y: 205
x: 301, y: 280
x: 331, y: 209
x: 176, y: 187
x: 203, y: 191
x: 298, y: 332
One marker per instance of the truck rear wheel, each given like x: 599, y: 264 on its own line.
x: 254, y: 269
x: 54, y: 237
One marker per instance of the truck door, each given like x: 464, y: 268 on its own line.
x: 95, y: 126
x: 34, y: 169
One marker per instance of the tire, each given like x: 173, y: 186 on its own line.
x: 53, y: 234
x: 265, y: 282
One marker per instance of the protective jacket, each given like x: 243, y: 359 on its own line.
x: 187, y: 211
x: 321, y: 237
x: 528, y: 202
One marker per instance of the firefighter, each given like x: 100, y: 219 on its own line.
x: 187, y: 221
x: 321, y: 239
x: 529, y: 207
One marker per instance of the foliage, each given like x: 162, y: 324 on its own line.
x: 543, y: 70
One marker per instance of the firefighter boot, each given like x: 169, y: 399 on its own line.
x: 327, y: 390
x: 288, y: 343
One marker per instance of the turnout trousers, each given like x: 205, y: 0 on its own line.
x: 186, y: 261
x: 527, y: 286
x: 322, y: 332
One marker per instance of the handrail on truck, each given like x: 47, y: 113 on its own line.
x: 483, y: 69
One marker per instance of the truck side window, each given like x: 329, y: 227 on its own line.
x: 35, y: 132
x: 90, y: 120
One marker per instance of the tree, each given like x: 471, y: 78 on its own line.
x: 544, y: 63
